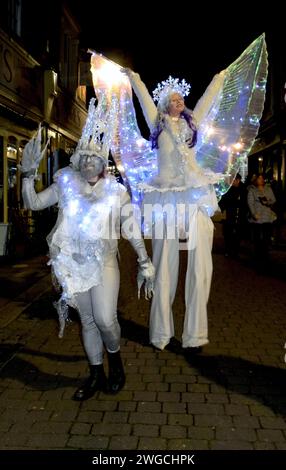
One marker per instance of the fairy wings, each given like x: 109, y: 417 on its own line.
x: 229, y: 124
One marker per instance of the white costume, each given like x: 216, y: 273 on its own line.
x: 174, y: 174
x: 181, y: 181
x: 83, y: 249
x: 81, y: 259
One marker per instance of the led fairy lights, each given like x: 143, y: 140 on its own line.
x: 90, y: 215
x: 232, y: 125
x: 131, y: 153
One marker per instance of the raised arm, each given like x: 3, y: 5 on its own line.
x: 31, y: 158
x: 38, y: 201
x: 204, y: 104
x: 147, y: 104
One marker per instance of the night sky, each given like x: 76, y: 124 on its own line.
x: 157, y: 48
x: 157, y: 58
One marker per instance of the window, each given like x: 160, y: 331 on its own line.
x: 15, y: 16
x: 81, y: 93
x: 69, y: 70
x: 12, y: 176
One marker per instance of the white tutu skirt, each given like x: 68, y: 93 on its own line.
x: 175, y: 207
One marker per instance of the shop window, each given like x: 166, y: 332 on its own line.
x: 1, y: 178
x: 12, y: 161
x: 12, y: 174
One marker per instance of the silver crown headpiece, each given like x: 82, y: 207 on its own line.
x: 93, y: 138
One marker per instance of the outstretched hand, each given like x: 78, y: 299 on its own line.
x: 32, y: 153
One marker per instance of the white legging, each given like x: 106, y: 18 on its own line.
x: 197, y: 285
x: 98, y: 314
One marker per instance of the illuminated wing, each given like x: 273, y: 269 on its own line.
x: 131, y: 152
x: 232, y: 122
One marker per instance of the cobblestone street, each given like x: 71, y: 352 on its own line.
x: 232, y: 396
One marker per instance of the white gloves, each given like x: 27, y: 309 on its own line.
x: 146, y: 273
x: 32, y: 154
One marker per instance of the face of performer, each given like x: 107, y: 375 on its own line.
x: 90, y: 167
x: 176, y: 105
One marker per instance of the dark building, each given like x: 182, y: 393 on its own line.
x: 39, y: 83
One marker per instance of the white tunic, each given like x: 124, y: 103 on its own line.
x: 86, y: 234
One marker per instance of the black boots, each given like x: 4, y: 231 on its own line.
x: 96, y: 381
x: 116, y: 378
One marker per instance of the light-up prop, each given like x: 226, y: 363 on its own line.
x: 131, y: 152
x: 107, y: 76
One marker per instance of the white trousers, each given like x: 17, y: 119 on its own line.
x: 98, y: 314
x: 197, y: 285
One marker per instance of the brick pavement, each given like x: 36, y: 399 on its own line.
x: 231, y: 397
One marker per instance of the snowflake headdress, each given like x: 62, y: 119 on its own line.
x: 166, y: 87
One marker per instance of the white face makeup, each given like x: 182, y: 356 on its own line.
x: 90, y: 166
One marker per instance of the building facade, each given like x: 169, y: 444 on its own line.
x: 39, y: 83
